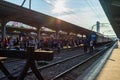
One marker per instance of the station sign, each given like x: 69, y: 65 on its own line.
x: 93, y: 36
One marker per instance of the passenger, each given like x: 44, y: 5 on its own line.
x: 59, y: 46
x: 10, y: 42
x: 85, y: 45
x: 91, y: 46
x: 6, y: 43
x: 36, y: 43
x: 27, y: 42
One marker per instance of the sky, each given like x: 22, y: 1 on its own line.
x: 84, y: 13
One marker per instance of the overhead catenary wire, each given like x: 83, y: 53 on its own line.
x: 92, y: 9
x: 95, y: 7
x: 100, y: 10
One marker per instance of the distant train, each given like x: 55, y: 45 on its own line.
x: 99, y: 38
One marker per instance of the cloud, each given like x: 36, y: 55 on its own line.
x: 86, y: 18
x: 48, y: 1
x: 59, y: 7
x: 78, y: 12
x: 83, y: 18
x: 51, y: 2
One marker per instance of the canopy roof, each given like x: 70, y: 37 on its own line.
x: 12, y: 12
x: 112, y: 10
x: 13, y: 29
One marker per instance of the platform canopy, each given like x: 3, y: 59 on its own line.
x: 112, y: 10
x: 12, y: 12
x: 12, y: 29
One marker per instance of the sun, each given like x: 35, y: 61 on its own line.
x: 59, y: 7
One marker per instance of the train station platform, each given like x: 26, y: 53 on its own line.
x: 106, y: 67
x: 111, y: 70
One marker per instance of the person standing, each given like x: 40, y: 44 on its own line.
x: 85, y: 42
x: 59, y: 46
x: 91, y: 46
x: 10, y: 42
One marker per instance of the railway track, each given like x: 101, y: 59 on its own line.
x: 64, y: 71
x: 75, y: 71
x: 77, y: 59
x: 15, y: 65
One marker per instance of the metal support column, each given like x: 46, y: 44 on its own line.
x: 29, y: 4
x: 39, y: 37
x: 30, y: 64
x: 3, y: 23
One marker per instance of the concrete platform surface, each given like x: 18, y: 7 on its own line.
x: 111, y: 70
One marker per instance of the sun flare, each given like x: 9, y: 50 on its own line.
x: 59, y: 7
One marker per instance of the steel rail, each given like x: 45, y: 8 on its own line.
x: 84, y: 61
x: 58, y: 62
x: 47, y: 66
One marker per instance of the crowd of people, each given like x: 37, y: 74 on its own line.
x: 46, y: 43
x: 25, y: 41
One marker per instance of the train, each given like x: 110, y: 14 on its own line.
x: 99, y: 38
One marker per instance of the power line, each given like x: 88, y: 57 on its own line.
x: 100, y: 7
x: 101, y: 10
x: 92, y: 8
x: 95, y: 8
